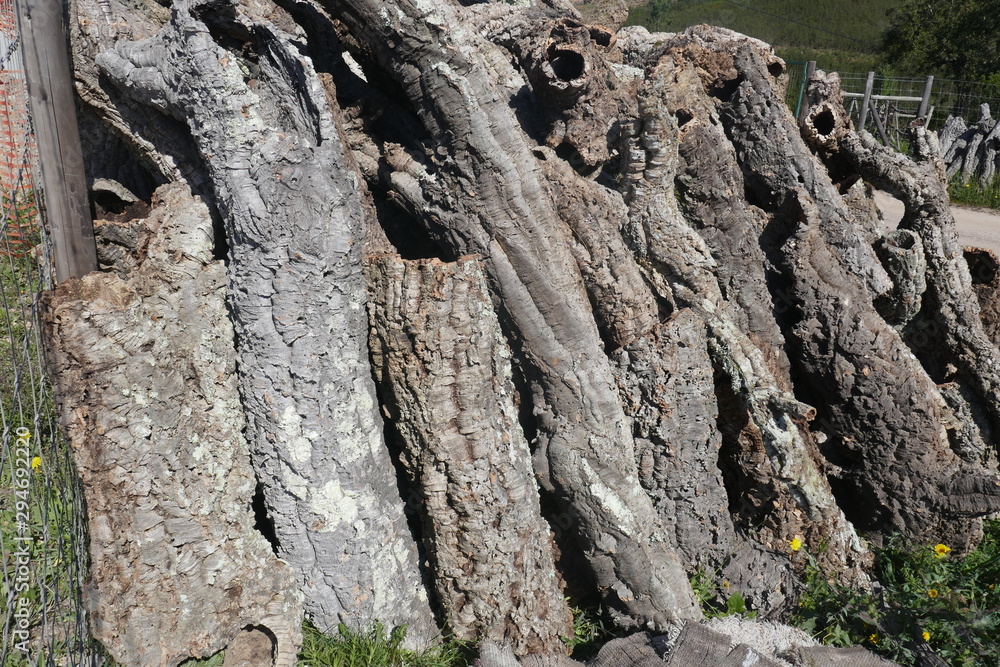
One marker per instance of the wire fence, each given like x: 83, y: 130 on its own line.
x: 795, y: 93
x: 948, y: 97
x: 897, y: 101
x: 43, y: 560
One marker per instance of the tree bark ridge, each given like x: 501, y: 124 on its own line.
x: 293, y: 221
x: 145, y: 373
x: 444, y: 369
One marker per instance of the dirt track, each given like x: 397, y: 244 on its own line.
x: 976, y: 227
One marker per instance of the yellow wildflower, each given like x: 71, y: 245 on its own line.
x: 932, y: 593
x: 36, y: 464
x: 795, y: 544
x: 941, y: 550
x: 926, y: 635
x: 873, y: 638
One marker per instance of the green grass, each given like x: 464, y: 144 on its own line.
x: 591, y: 631
x: 844, y: 35
x: 715, y: 598
x: 974, y: 194
x: 377, y: 646
x: 928, y: 596
x: 44, y: 510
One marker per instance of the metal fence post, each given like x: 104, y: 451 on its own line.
x: 801, y: 109
x: 50, y: 92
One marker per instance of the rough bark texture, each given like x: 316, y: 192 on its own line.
x: 667, y: 387
x: 902, y: 254
x: 984, y: 270
x: 972, y: 151
x: 769, y: 449
x: 482, y: 192
x: 444, y: 369
x: 145, y: 370
x: 293, y: 222
x: 725, y: 642
x: 715, y: 346
x: 910, y: 455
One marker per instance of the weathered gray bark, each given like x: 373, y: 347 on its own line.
x: 984, y: 270
x: 724, y: 642
x: 444, y: 369
x: 667, y: 386
x: 973, y: 150
x: 269, y: 142
x: 482, y: 191
x: 583, y: 92
x: 125, y: 139
x: 902, y: 254
x: 678, y: 260
x: 683, y: 285
x: 902, y: 455
x: 144, y: 368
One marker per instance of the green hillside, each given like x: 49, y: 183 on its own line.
x: 837, y: 34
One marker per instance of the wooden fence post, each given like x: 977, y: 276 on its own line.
x: 863, y: 115
x: 926, y: 99
x: 50, y: 92
x: 878, y: 123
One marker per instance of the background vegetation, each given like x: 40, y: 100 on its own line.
x: 956, y: 39
x: 842, y: 36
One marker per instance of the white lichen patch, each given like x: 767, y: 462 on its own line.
x: 385, y: 586
x: 296, y: 441
x: 334, y: 505
x: 608, y: 499
x: 293, y: 483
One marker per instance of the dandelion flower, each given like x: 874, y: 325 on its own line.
x: 873, y: 638
x: 795, y: 544
x: 926, y: 635
x: 36, y: 464
x: 941, y: 550
x: 932, y: 593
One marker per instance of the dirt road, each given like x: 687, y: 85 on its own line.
x: 976, y: 227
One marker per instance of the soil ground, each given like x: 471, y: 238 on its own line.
x: 977, y: 227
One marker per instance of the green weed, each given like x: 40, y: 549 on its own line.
x: 40, y: 508
x: 924, y: 596
x: 716, y: 599
x: 361, y: 648
x: 213, y: 661
x: 974, y: 194
x: 590, y: 632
